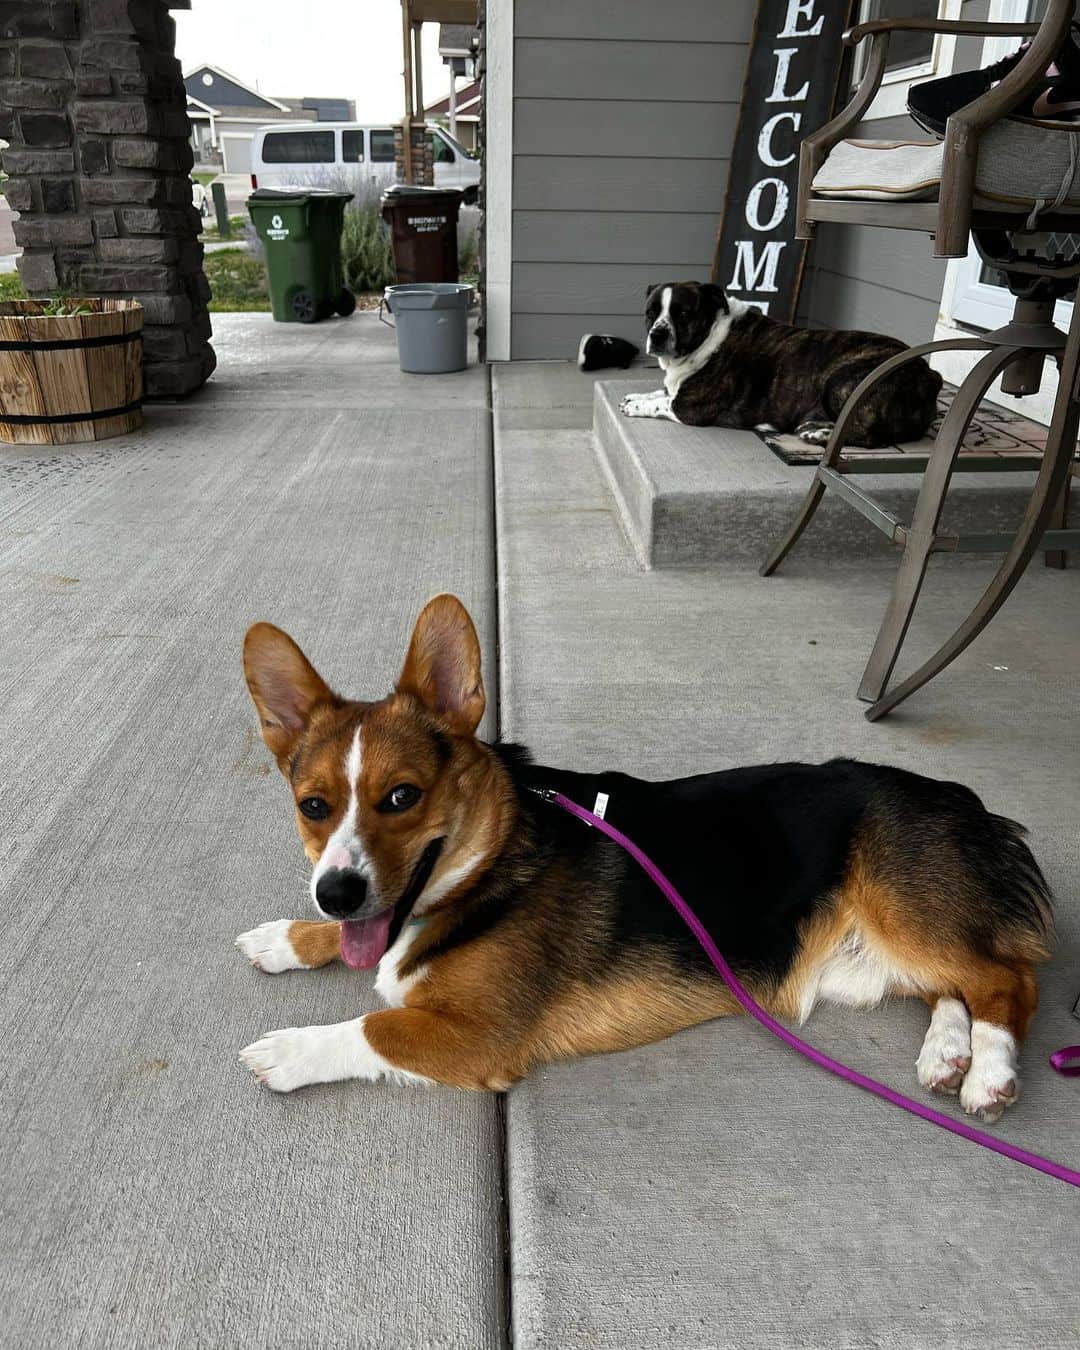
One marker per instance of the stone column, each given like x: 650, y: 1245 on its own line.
x: 423, y: 163
x: 92, y: 103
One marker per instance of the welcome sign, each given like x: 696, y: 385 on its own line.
x: 791, y: 79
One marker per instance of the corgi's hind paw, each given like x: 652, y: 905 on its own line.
x: 945, y: 1056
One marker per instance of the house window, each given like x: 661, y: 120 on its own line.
x: 907, y: 51
x: 382, y: 147
x: 299, y: 147
x: 352, y: 147
x: 912, y: 56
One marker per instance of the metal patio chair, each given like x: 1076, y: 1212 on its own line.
x: 1016, y: 352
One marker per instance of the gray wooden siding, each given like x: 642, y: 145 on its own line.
x: 599, y: 183
x: 613, y: 236
x: 624, y: 116
x: 634, y: 20
x: 624, y: 129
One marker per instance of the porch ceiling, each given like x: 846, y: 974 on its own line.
x: 442, y: 11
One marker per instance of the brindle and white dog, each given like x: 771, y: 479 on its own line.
x: 726, y: 364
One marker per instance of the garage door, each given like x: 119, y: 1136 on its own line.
x: 236, y: 154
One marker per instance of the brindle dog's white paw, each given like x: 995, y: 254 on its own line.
x: 814, y: 433
x: 268, y: 947
x: 645, y: 405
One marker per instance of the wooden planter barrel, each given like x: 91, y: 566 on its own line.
x: 70, y: 379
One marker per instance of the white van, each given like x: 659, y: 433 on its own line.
x: 346, y: 154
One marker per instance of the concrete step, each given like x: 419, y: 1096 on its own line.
x: 694, y: 496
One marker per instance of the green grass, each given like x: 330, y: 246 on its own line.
x: 237, y: 281
x: 210, y: 233
x: 11, y: 287
x: 204, y: 178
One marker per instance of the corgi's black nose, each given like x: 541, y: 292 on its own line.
x: 340, y: 892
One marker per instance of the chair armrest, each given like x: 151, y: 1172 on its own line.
x: 815, y: 147
x: 855, y: 35
x: 966, y: 126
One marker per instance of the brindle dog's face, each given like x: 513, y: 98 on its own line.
x: 679, y: 315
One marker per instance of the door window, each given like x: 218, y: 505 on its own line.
x: 352, y: 147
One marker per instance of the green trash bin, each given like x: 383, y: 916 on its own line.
x: 300, y: 230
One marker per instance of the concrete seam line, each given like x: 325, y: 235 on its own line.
x: 503, y: 1201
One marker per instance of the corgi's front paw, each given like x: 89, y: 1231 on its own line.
x: 269, y: 949
x: 296, y: 1056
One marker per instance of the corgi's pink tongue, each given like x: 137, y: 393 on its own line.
x: 363, y: 941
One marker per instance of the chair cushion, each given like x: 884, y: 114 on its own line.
x: 1021, y: 163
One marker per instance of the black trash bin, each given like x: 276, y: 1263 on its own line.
x: 423, y: 228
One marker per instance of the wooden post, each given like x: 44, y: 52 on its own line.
x: 418, y: 68
x: 453, y: 101
x: 221, y: 209
x: 406, y: 39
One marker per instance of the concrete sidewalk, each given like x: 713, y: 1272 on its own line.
x: 153, y: 1195
x: 715, y: 1190
x: 711, y: 1191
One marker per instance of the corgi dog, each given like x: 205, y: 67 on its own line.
x: 506, y: 933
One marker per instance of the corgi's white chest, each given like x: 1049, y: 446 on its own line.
x: 390, y: 988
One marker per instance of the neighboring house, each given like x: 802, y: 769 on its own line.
x: 459, y: 112
x: 224, y: 114
x: 467, y: 117
x: 609, y: 128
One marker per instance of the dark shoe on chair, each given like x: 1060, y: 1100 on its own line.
x: 1060, y: 100
x: 933, y: 103
x: 599, y: 351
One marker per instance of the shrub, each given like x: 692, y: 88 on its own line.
x: 366, y: 255
x: 468, y: 253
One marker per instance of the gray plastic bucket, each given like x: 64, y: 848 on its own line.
x: 431, y: 318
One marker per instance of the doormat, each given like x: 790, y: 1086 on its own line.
x: 994, y: 432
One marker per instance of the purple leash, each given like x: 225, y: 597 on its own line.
x: 1060, y: 1059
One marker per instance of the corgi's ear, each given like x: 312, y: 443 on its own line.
x: 442, y: 668
x: 284, y: 686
